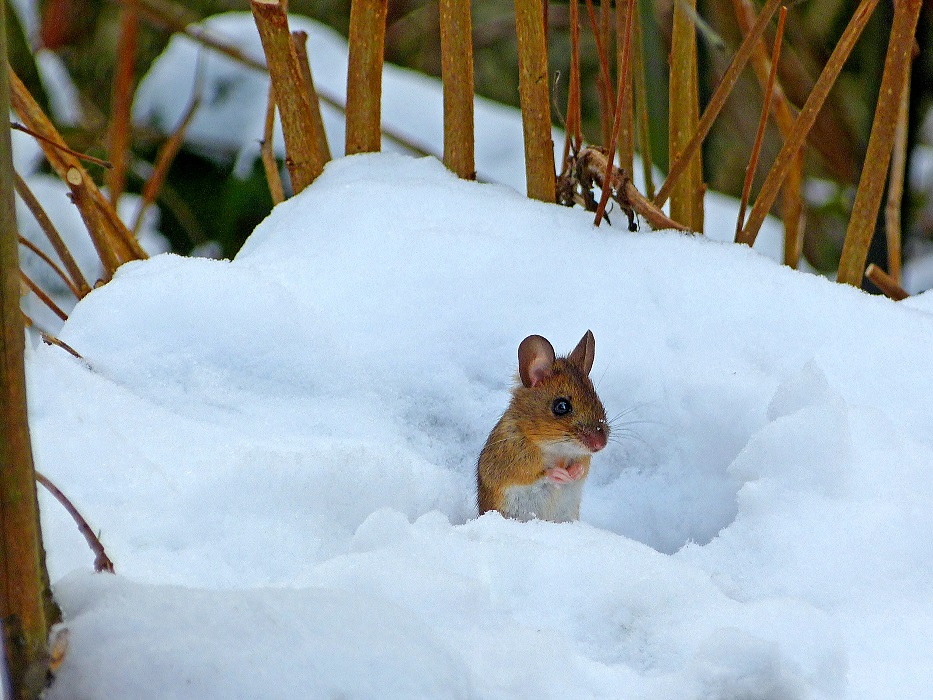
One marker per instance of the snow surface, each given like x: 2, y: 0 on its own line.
x: 279, y: 452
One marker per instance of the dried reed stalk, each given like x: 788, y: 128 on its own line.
x: 762, y: 122
x: 716, y: 102
x: 626, y: 40
x: 892, y: 210
x: 625, y: 13
x: 302, y: 159
x: 267, y: 152
x: 457, y: 71
x: 684, y: 116
x: 300, y: 41
x: 108, y: 232
x: 79, y: 283
x: 101, y: 561
x: 864, y: 215
x: 887, y: 284
x: 603, y: 81
x: 108, y: 250
x: 573, y: 139
x: 535, y: 103
x: 42, y: 296
x: 51, y: 263
x: 641, y: 101
x: 119, y: 136
x: 364, y: 75
x: 803, y: 123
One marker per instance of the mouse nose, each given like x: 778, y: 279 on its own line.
x: 595, y: 437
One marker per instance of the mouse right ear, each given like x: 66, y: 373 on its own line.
x: 535, y: 359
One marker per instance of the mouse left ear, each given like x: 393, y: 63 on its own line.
x: 583, y: 355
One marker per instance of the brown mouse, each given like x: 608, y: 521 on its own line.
x: 538, y: 455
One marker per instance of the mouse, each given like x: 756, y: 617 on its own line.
x: 537, y: 457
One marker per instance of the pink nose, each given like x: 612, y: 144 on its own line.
x: 594, y: 438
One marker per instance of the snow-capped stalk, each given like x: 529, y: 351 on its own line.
x: 457, y: 68
x: 119, y: 136
x: 302, y: 158
x: 26, y: 606
x: 880, y: 144
x: 717, y: 101
x: 107, y: 232
x: 804, y: 122
x: 364, y: 75
x: 535, y: 101
x: 300, y: 42
x: 684, y: 99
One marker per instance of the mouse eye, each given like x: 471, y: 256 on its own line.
x: 561, y: 407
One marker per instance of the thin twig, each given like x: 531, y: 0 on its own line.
x: 45, y: 223
x: 51, y: 263
x: 762, y: 122
x: 267, y: 153
x: 43, y: 297
x: 788, y: 153
x: 887, y: 284
x: 61, y: 147
x: 119, y: 136
x: 896, y: 182
x: 572, y: 138
x: 604, y: 84
x: 641, y: 101
x: 101, y: 561
x: 728, y: 81
x: 617, y: 120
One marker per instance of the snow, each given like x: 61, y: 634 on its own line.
x: 279, y: 451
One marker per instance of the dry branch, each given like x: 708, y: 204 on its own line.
x: 300, y: 42
x: 364, y: 75
x: 119, y: 136
x: 107, y: 249
x: 457, y: 71
x: 625, y: 15
x: 302, y: 158
x: 43, y: 297
x: 887, y: 284
x: 788, y: 153
x: 51, y: 263
x: 45, y: 223
x: 535, y: 103
x: 267, y: 153
x: 603, y: 81
x: 101, y: 561
x: 892, y: 210
x: 718, y: 99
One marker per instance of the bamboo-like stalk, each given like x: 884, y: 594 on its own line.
x: 605, y: 37
x: 880, y: 144
x: 300, y: 42
x: 762, y: 122
x: 626, y: 139
x: 109, y: 232
x: 119, y: 136
x: 27, y: 609
x: 80, y: 185
x: 716, y: 102
x: 641, y: 102
x: 573, y: 139
x: 603, y: 81
x: 364, y: 75
x: 267, y: 153
x: 792, y: 204
x: 892, y: 211
x: 683, y: 99
x: 535, y: 103
x: 890, y: 287
x: 625, y: 37
x: 302, y: 159
x: 45, y: 223
x: 803, y: 123
x: 457, y: 71
x: 164, y: 160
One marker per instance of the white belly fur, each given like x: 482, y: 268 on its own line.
x: 544, y: 500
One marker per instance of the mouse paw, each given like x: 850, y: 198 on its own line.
x: 560, y: 475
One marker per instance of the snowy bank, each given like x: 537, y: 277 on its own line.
x: 279, y: 451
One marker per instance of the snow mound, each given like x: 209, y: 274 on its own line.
x: 280, y: 451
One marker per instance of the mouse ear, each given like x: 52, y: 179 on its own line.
x: 535, y: 359
x: 582, y: 355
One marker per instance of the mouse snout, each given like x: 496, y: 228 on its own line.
x: 594, y: 437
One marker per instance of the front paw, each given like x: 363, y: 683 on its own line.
x: 561, y: 475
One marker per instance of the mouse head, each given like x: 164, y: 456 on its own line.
x: 556, y: 405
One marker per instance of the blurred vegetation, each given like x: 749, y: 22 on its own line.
x: 203, y: 201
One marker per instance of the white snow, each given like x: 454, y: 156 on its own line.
x: 279, y: 452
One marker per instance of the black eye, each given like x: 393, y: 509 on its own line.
x: 561, y: 407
